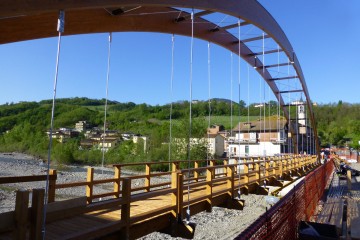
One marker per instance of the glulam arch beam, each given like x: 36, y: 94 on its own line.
x: 25, y: 20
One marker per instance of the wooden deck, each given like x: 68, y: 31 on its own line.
x: 134, y: 211
x: 340, y: 211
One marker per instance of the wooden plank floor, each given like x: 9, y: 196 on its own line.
x: 61, y: 229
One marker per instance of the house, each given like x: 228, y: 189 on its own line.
x: 215, y: 144
x: 81, y: 126
x: 260, y: 137
x: 215, y: 129
x: 62, y: 134
x: 107, y: 143
x: 87, y: 144
x: 220, y: 147
x: 127, y: 135
x: 110, y: 133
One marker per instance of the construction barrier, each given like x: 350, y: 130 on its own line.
x: 281, y: 220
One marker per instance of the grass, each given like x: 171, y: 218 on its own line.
x: 223, y: 120
x: 226, y: 120
x: 96, y: 108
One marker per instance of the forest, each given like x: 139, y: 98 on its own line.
x: 23, y: 126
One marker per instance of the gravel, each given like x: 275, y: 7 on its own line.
x: 220, y: 223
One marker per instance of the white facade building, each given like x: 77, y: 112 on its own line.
x: 259, y: 138
x: 215, y: 144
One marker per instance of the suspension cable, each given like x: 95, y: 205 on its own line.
x: 264, y: 90
x: 290, y: 123
x: 60, y: 29
x: 264, y: 97
x: 239, y: 89
x: 190, y: 114
x: 106, y: 102
x: 260, y: 113
x: 231, y: 94
x: 306, y: 132
x: 209, y: 102
x: 278, y: 105
x: 171, y: 96
x: 248, y: 100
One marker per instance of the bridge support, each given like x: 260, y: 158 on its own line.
x: 180, y: 229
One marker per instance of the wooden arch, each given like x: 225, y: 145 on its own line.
x: 25, y: 20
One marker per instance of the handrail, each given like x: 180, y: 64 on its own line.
x: 252, y: 169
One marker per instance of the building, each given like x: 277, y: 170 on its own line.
x: 259, y: 138
x: 127, y: 135
x: 215, y: 144
x: 107, y: 143
x: 220, y: 148
x: 81, y: 126
x: 273, y: 136
x: 63, y: 134
x: 87, y: 144
x: 215, y: 129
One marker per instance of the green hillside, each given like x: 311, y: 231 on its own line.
x: 23, y: 126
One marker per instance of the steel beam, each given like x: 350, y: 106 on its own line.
x: 266, y: 52
x: 291, y: 91
x: 277, y: 65
x: 254, y: 39
x: 283, y: 78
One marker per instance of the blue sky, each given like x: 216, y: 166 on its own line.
x: 324, y: 34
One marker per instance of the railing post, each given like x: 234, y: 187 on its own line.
x: 117, y: 175
x: 289, y: 162
x: 212, y: 164
x: 175, y: 166
x: 246, y: 172
x: 174, y: 195
x: 21, y: 214
x: 225, y: 162
x: 52, y: 184
x: 36, y: 218
x: 125, y: 207
x: 230, y: 181
x: 147, y: 178
x: 285, y: 163
x: 196, y: 173
x: 90, y: 185
x: 273, y: 165
x: 293, y: 163
x: 297, y: 162
x: 267, y: 166
x: 280, y: 162
x: 180, y: 194
x: 209, y: 178
x: 257, y: 170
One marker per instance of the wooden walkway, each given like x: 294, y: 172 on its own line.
x: 132, y: 211
x: 340, y: 211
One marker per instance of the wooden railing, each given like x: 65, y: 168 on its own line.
x: 204, y: 175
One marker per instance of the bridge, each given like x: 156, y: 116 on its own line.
x: 129, y: 211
